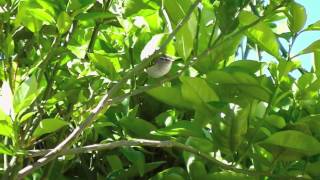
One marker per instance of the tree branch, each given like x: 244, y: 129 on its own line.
x: 156, y: 143
x: 103, y: 104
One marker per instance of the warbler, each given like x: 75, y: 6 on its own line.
x: 160, y: 68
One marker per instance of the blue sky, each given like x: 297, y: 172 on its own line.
x: 306, y: 38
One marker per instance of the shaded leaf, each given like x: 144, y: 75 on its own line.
x: 136, y: 158
x: 293, y: 141
x: 239, y: 126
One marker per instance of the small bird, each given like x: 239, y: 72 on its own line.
x: 160, y: 68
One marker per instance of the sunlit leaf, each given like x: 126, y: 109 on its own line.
x: 27, y: 92
x: 181, y: 128
x: 260, y: 33
x: 314, y: 27
x: 297, y: 17
x: 170, y: 95
x: 197, y: 91
x: 63, y: 22
x: 49, y: 126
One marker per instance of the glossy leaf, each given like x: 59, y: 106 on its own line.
x: 297, y: 17
x: 5, y: 150
x: 240, y: 80
x: 27, y: 92
x: 5, y: 128
x: 48, y: 126
x: 260, y: 33
x: 176, y: 10
x: 169, y: 95
x: 315, y: 46
x: 314, y: 26
x: 229, y: 175
x: 180, y: 128
x: 140, y: 128
x: 293, y: 141
x: 64, y: 22
x: 197, y: 91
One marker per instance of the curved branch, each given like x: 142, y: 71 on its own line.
x: 160, y: 144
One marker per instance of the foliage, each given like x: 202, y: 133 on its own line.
x: 73, y: 78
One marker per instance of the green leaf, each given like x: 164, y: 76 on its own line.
x: 225, y: 50
x: 64, y: 22
x: 313, y: 169
x: 138, y: 126
x: 132, y: 171
x: 180, y: 128
x: 184, y: 44
x: 115, y: 162
x: 297, y: 17
x: 239, y: 126
x: 196, y: 169
x: 94, y: 16
x: 314, y: 27
x: 5, y: 150
x: 242, y: 81
x: 201, y: 144
x: 8, y: 46
x: 170, y: 95
x: 27, y: 116
x: 41, y: 15
x: 276, y: 121
x: 27, y: 92
x: 197, y: 91
x: 136, y: 158
x: 176, y: 10
x: 132, y: 7
x: 292, y: 141
x: 249, y: 66
x: 229, y: 175
x: 167, y: 173
x: 103, y: 64
x: 312, y: 121
x: 260, y: 33
x: 5, y: 128
x: 313, y: 47
x: 49, y: 126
